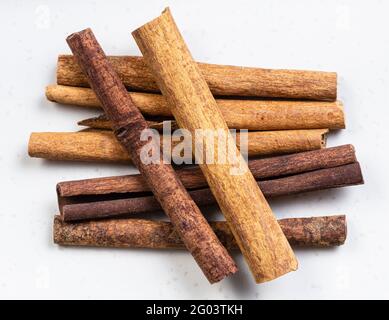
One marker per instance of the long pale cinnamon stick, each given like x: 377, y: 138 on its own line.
x: 238, y: 114
x: 192, y: 177
x: 129, y: 123
x: 324, y: 231
x: 101, y: 146
x: 222, y: 80
x: 80, y: 207
x: 260, y: 238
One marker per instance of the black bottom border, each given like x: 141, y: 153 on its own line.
x: 194, y: 309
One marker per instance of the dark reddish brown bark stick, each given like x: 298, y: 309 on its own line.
x: 324, y: 231
x: 128, y: 124
x: 193, y: 178
x: 342, y: 176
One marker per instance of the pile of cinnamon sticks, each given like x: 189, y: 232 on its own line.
x: 288, y: 114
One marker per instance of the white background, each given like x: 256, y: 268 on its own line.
x: 349, y: 37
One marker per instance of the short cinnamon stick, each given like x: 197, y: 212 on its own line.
x: 238, y: 114
x: 222, y: 80
x: 324, y: 231
x: 101, y: 146
x: 192, y: 177
x: 129, y: 123
x: 72, y: 210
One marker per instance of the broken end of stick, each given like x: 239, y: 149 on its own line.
x: 78, y: 34
x: 352, y: 174
x: 335, y: 231
x: 50, y: 92
x: 331, y: 232
x: 58, y: 189
x: 55, y: 230
x: 61, y: 200
x: 32, y: 145
x: 323, y: 143
x: 360, y: 175
x: 336, y: 86
x: 343, y: 233
x: 99, y: 122
x: 289, y: 266
x: 343, y: 115
x: 59, y: 233
x: 260, y: 279
x: 165, y: 13
x: 352, y: 151
x: 85, y: 122
x: 39, y: 146
x: 59, y: 71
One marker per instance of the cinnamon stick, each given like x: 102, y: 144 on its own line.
x: 101, y: 146
x: 222, y: 80
x: 238, y: 114
x: 101, y: 122
x: 324, y: 231
x: 128, y: 124
x: 192, y: 177
x: 260, y: 238
x: 77, y: 208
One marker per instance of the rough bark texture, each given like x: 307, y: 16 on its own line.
x: 192, y: 177
x: 238, y: 114
x: 129, y: 123
x: 81, y: 208
x: 102, y: 146
x: 324, y: 231
x: 222, y: 80
x: 249, y: 216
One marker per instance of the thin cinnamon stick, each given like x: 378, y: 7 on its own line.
x: 324, y: 231
x: 238, y: 114
x: 101, y: 122
x: 260, y: 238
x: 192, y: 177
x: 77, y: 208
x: 223, y: 80
x: 129, y: 123
x: 101, y: 146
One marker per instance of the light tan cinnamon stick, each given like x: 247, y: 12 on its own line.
x: 324, y: 231
x: 249, y: 216
x: 101, y: 146
x: 239, y: 114
x: 129, y: 124
x: 222, y: 80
